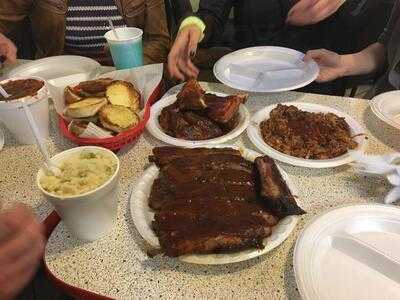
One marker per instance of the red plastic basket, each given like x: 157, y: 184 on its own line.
x: 118, y: 141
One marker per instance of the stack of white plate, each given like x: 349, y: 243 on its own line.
x: 387, y: 108
x: 350, y: 253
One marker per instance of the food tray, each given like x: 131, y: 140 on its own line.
x: 142, y: 217
x: 120, y: 140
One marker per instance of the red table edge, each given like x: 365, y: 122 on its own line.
x: 52, y: 221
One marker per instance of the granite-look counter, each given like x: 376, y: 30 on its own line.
x: 117, y: 266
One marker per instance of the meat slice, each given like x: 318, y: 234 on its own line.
x: 213, y: 175
x: 165, y: 155
x: 95, y: 87
x: 224, y: 226
x: 183, y: 130
x: 199, y: 168
x: 209, y: 129
x: 191, y: 96
x: 223, y: 109
x: 160, y: 194
x: 165, y: 118
x: 274, y: 190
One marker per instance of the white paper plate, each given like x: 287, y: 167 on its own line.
x: 155, y: 129
x: 386, y: 107
x: 254, y: 133
x: 270, y: 60
x: 323, y: 272
x: 142, y: 217
x: 1, y: 139
x: 56, y: 68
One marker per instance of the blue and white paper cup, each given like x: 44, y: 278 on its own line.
x: 127, y: 49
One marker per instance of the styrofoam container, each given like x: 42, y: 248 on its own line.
x: 13, y: 116
x: 350, y: 252
x: 386, y: 107
x: 91, y: 215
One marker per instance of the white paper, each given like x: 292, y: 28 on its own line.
x: 145, y: 79
x: 383, y: 165
x: 94, y: 131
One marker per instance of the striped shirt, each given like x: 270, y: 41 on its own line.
x: 86, y: 24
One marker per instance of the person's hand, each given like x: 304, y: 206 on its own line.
x: 183, y: 50
x: 8, y: 49
x: 21, y: 248
x: 308, y: 12
x: 330, y: 64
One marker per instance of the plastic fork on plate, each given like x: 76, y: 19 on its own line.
x: 258, y: 76
x: 367, y: 255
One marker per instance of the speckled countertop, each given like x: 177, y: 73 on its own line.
x: 117, y: 266
x: 19, y: 165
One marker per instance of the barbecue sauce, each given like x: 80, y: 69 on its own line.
x: 21, y: 88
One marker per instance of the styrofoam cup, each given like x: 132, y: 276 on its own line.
x: 91, y: 215
x: 127, y: 49
x: 13, y: 116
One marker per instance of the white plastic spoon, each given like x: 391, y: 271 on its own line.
x: 50, y: 166
x: 367, y: 255
x: 4, y: 93
x: 113, y: 28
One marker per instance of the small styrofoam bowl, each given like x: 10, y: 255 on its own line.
x: 13, y: 116
x: 91, y: 215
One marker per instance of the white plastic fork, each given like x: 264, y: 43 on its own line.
x: 368, y: 255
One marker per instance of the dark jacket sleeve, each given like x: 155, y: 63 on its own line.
x: 156, y: 39
x: 215, y: 14
x: 387, y: 33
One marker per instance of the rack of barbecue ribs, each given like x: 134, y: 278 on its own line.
x: 197, y: 115
x: 212, y: 200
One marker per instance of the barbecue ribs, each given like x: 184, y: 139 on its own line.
x: 200, y: 116
x: 214, y: 201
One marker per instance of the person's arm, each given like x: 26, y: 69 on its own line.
x: 156, y: 38
x: 370, y: 60
x: 333, y: 66
x: 308, y: 12
x: 205, y: 27
x: 12, y: 12
x: 21, y: 249
x: 214, y: 14
x: 7, y: 49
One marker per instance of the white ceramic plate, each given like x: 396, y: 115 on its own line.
x: 155, y: 129
x: 143, y: 216
x: 254, y: 133
x: 56, y: 68
x: 325, y: 271
x: 386, y: 107
x: 284, y: 69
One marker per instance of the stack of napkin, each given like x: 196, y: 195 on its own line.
x: 384, y: 165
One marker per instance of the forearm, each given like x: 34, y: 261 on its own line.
x: 370, y: 60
